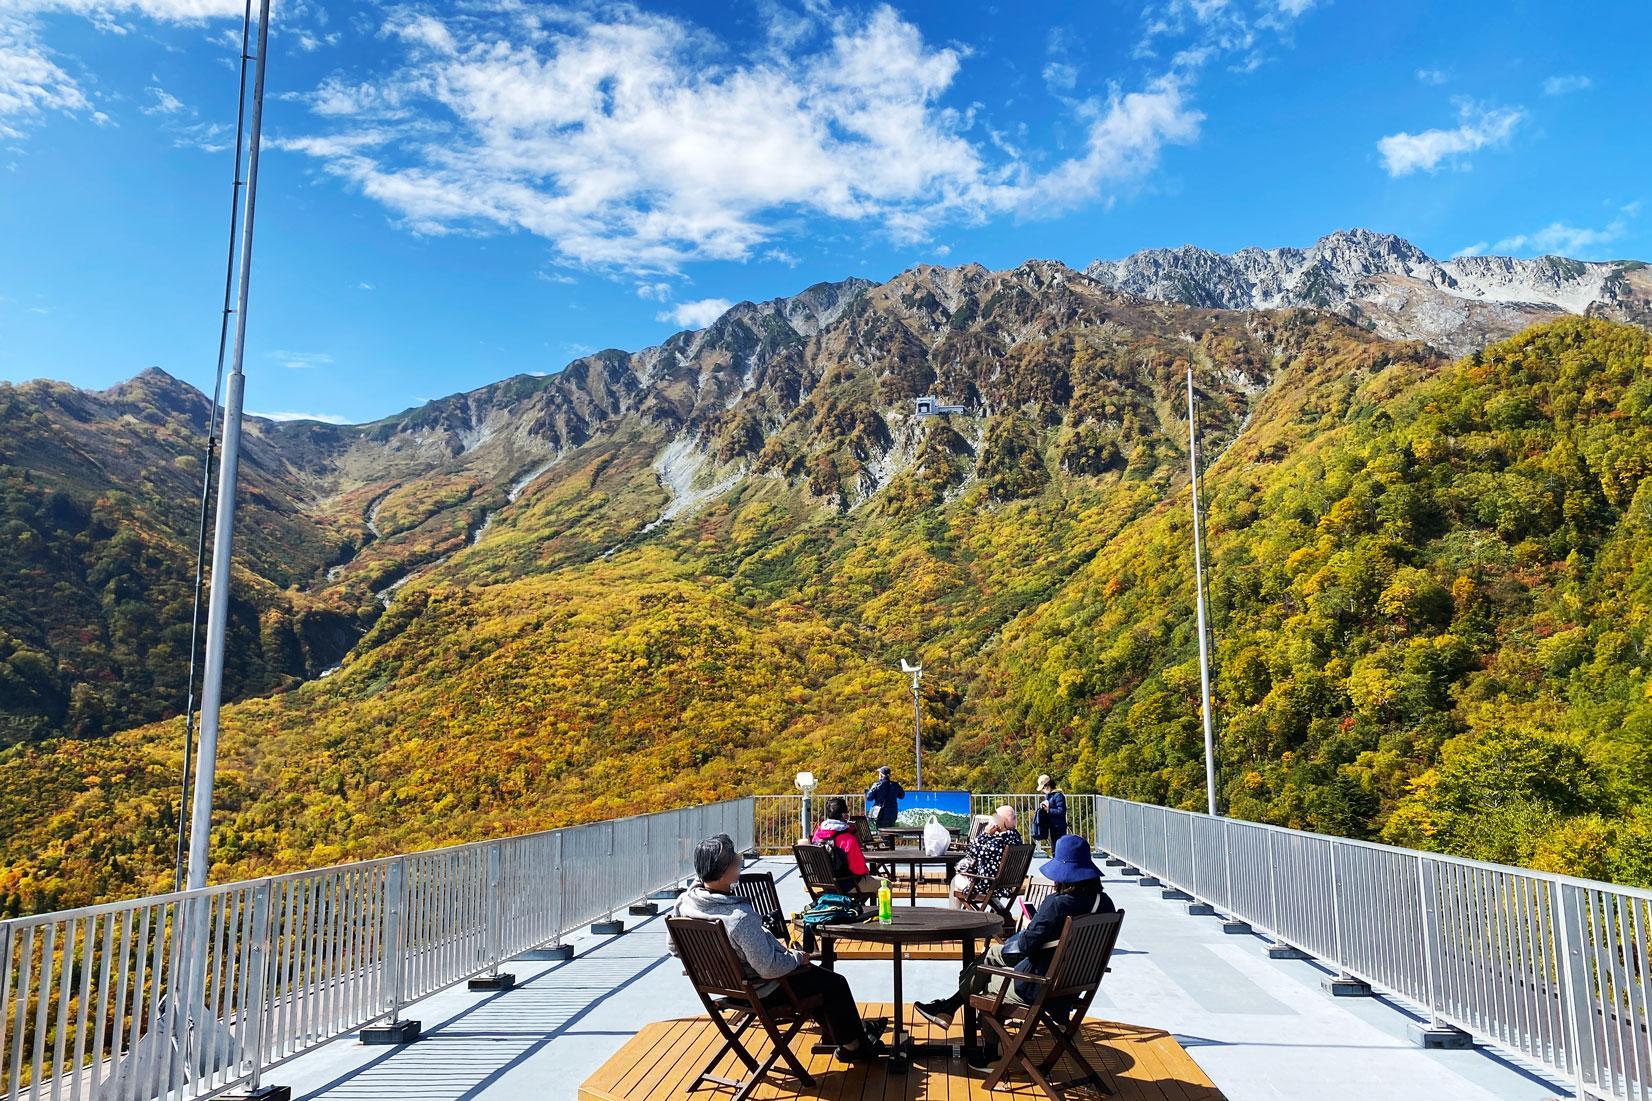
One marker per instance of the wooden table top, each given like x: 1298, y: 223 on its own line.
x: 909, y: 855
x: 918, y: 925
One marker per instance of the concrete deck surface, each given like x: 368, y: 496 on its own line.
x: 1262, y: 1029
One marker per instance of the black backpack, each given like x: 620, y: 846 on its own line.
x: 839, y: 858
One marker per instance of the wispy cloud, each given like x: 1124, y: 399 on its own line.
x: 695, y: 315
x: 324, y: 418
x: 1431, y: 76
x: 1564, y: 239
x: 640, y: 142
x: 162, y: 102
x: 301, y: 361
x: 654, y: 292
x: 1561, y: 84
x: 1479, y: 127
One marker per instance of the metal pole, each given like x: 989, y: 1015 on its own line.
x: 1199, y: 602
x: 917, y: 730
x: 212, y: 682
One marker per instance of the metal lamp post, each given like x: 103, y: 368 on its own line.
x: 916, y: 672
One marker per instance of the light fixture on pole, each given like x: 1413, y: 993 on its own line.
x: 806, y: 784
x: 916, y: 672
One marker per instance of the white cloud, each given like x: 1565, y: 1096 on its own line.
x: 1431, y: 76
x: 1060, y: 76
x: 1478, y: 248
x: 781, y: 256
x: 1561, y: 85
x: 31, y: 82
x: 301, y: 361
x: 324, y: 418
x: 1562, y: 239
x: 654, y: 292
x: 1404, y: 153
x: 364, y: 286
x: 638, y: 142
x: 695, y: 315
x: 165, y: 103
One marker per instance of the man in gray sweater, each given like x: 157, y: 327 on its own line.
x: 766, y: 959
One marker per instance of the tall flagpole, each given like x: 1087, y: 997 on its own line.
x: 1199, y: 602
x: 212, y: 681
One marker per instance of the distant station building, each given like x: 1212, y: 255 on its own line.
x: 931, y: 407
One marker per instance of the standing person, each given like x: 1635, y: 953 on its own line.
x: 1051, y: 825
x: 850, y: 868
x: 765, y: 959
x: 985, y: 854
x: 883, y: 799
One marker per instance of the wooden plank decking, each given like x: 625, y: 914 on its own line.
x: 1140, y: 1064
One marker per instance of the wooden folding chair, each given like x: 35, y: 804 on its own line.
x: 814, y: 864
x: 732, y: 1003
x: 1037, y: 891
x: 1065, y: 992
x: 999, y: 892
x: 758, y: 889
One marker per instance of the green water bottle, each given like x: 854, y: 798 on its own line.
x: 886, y: 904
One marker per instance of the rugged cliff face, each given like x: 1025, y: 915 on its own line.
x: 1392, y: 287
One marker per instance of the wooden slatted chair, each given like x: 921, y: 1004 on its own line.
x: 999, y: 892
x: 814, y: 864
x: 1037, y: 891
x: 758, y: 889
x: 1065, y: 992
x: 732, y: 1003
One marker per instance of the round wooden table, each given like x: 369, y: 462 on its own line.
x: 916, y: 925
x: 912, y: 859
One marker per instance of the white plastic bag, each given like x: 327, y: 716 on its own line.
x: 936, y: 838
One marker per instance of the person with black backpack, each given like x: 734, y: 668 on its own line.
x: 842, y: 843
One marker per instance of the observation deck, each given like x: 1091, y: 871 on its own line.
x: 1467, y: 981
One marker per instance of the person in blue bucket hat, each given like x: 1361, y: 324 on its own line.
x: 1077, y: 892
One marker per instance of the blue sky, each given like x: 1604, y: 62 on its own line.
x: 456, y: 193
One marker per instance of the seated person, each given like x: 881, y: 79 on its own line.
x: 1077, y: 893
x: 984, y: 855
x: 765, y: 959
x: 853, y: 874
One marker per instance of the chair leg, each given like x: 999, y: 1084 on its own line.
x: 1012, y: 1043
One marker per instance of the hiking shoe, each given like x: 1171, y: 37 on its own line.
x: 980, y: 1060
x: 937, y: 1013
x: 865, y: 1053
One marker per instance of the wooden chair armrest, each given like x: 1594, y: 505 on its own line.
x: 1008, y: 973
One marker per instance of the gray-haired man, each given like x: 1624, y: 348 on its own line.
x: 765, y: 959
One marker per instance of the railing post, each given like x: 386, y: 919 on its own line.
x: 1336, y: 904
x: 1576, y: 988
x: 1227, y: 866
x: 395, y: 933
x: 495, y: 945
x: 1433, y: 959
x: 257, y: 998
x: 1273, y: 888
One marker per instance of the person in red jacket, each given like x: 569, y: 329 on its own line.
x: 849, y: 862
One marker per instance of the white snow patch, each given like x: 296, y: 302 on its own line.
x: 528, y: 479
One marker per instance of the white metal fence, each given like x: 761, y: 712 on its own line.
x: 184, y: 994
x: 1552, y: 967
x: 1081, y: 811
x: 781, y: 822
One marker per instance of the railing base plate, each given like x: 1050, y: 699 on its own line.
x: 1443, y: 1037
x: 1236, y: 927
x: 1286, y: 952
x: 1148, y: 881
x: 1130, y: 869
x: 263, y: 1093
x: 397, y: 1032
x: 667, y: 892
x: 608, y: 928
x: 560, y: 953
x: 1195, y: 909
x: 644, y: 909
x: 502, y: 981
x: 1345, y: 986
x: 1114, y: 862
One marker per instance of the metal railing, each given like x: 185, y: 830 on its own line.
x: 1081, y: 811
x: 1555, y: 968
x: 185, y: 994
x: 781, y: 822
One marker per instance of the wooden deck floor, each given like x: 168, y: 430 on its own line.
x: 1140, y: 1064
